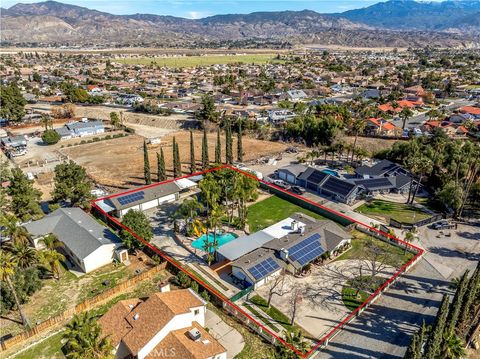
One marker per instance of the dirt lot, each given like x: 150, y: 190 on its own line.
x: 372, y: 145
x: 118, y: 163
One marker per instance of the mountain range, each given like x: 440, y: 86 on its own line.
x: 392, y: 23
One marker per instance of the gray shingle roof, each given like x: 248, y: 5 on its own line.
x: 296, y: 169
x: 80, y: 233
x: 379, y: 169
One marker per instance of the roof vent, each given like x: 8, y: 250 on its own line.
x: 194, y: 334
x: 206, y: 341
x: 130, y: 306
x: 136, y: 316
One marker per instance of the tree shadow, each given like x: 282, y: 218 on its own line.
x: 469, y: 235
x: 445, y: 252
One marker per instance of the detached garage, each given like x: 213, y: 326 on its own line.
x: 142, y: 200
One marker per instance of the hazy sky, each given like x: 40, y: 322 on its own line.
x: 202, y: 8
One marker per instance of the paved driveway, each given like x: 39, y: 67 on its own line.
x: 227, y: 336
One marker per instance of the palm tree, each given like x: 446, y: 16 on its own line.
x: 25, y: 256
x: 453, y: 348
x: 405, y: 114
x: 12, y: 229
x: 358, y: 127
x: 295, y: 339
x: 8, y: 264
x: 51, y: 241
x: 409, y: 237
x: 424, y: 165
x: 84, y: 339
x: 52, y: 259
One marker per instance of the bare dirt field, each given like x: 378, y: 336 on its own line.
x: 372, y: 145
x: 118, y: 163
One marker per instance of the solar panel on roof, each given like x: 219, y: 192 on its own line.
x: 307, y: 250
x: 130, y: 198
x: 264, y: 268
x: 316, y: 177
x: 337, y: 185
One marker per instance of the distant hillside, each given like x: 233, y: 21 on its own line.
x: 53, y: 22
x: 413, y: 15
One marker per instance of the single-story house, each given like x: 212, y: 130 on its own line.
x: 398, y: 184
x: 290, y: 244
x: 87, y: 243
x: 296, y: 95
x: 14, y: 145
x: 146, y: 198
x: 166, y: 324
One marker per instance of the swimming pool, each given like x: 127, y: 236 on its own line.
x: 330, y: 172
x: 222, y: 238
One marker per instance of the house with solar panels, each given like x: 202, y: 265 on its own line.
x: 311, y: 178
x: 288, y: 245
x: 146, y: 198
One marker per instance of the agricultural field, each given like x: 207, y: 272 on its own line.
x: 118, y: 163
x: 207, y: 60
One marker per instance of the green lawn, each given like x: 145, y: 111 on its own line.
x: 397, y: 211
x: 192, y: 61
x: 351, y: 299
x: 262, y: 318
x: 272, y: 210
x: 50, y: 348
x: 359, y: 239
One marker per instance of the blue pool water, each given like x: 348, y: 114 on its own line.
x: 331, y: 172
x: 222, y: 238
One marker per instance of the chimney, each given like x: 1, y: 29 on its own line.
x: 294, y: 225
x: 136, y: 316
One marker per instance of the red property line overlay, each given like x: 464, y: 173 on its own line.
x: 176, y: 264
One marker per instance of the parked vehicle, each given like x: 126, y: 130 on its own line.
x: 281, y: 184
x: 443, y: 225
x: 297, y: 190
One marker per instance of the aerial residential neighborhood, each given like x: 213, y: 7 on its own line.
x: 232, y: 180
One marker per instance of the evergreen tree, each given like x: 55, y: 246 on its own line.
x: 175, y: 158
x: 205, y: 161
x: 24, y: 197
x: 435, y: 341
x: 146, y: 164
x: 72, y: 184
x: 193, y: 164
x: 178, y: 169
x: 228, y: 143
x: 161, y: 173
x: 239, y: 143
x: 457, y: 303
x: 218, y: 149
x: 413, y: 351
x: 471, y: 294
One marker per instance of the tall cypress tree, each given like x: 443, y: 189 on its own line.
x: 179, y: 164
x: 471, y: 295
x: 177, y: 167
x: 228, y: 143
x: 218, y: 149
x: 414, y: 351
x: 205, y: 161
x: 161, y: 173
x: 457, y: 302
x: 434, y: 343
x: 239, y: 142
x: 193, y: 164
x: 146, y: 164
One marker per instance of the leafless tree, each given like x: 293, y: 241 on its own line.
x: 277, y: 286
x: 296, y: 297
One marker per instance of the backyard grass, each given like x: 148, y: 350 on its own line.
x: 265, y: 320
x: 50, y: 348
x: 399, y: 212
x: 272, y: 210
x: 207, y: 60
x: 359, y: 239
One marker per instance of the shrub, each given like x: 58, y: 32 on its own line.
x: 194, y: 286
x: 205, y: 295
x: 184, y: 280
x: 50, y: 137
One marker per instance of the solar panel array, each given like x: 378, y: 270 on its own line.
x: 375, y: 183
x: 130, y: 198
x: 264, y: 268
x: 316, y: 177
x: 307, y: 250
x: 336, y: 185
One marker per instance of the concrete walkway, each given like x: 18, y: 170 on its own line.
x: 227, y: 336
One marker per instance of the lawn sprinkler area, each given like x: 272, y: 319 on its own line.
x: 204, y: 239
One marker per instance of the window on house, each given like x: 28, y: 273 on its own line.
x: 196, y: 312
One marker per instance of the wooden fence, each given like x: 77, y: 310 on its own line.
x: 81, y: 307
